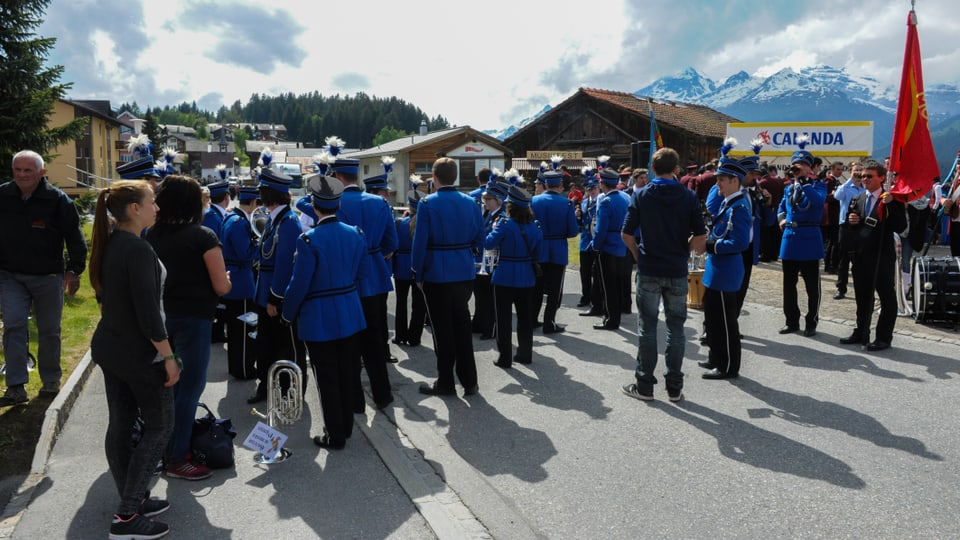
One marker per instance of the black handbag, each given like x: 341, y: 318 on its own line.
x: 212, y: 441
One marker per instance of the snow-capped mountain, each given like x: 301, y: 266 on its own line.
x: 502, y: 134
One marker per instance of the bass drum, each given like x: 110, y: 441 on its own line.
x: 936, y: 288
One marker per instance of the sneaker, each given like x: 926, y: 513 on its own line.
x: 14, y: 395
x: 634, y: 392
x: 137, y: 527
x: 152, y: 507
x: 188, y: 470
x: 675, y: 395
x: 50, y: 389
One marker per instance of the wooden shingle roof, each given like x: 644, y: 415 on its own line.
x: 698, y: 119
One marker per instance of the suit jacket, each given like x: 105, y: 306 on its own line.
x: 869, y: 239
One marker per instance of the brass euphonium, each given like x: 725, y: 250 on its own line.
x: 283, y: 407
x: 258, y: 220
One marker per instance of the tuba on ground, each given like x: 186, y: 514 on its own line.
x: 283, y: 407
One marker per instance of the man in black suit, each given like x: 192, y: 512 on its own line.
x: 873, y: 220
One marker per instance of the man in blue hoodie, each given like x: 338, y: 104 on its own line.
x: 664, y: 224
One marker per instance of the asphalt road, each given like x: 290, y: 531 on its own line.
x: 814, y: 440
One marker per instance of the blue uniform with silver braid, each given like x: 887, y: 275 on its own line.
x: 590, y: 294
x: 275, y: 339
x: 558, y: 220
x: 801, y: 249
x: 723, y: 275
x: 239, y: 252
x: 484, y: 316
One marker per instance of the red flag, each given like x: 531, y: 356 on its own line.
x: 911, y: 153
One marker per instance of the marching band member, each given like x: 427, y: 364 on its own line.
x: 407, y: 332
x: 723, y: 274
x: 519, y: 240
x: 375, y: 218
x: 586, y: 212
x: 378, y: 185
x: 557, y: 217
x: 219, y: 198
x: 801, y: 248
x: 239, y: 252
x: 484, y: 309
x: 611, y: 211
x: 275, y: 339
x: 323, y: 297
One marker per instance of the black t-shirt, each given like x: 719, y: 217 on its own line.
x: 187, y: 290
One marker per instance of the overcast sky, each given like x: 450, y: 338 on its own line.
x: 484, y: 63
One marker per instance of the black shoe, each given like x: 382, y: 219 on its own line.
x: 553, y: 328
x: 839, y: 295
x: 525, y: 360
x: 788, y: 329
x: 485, y: 337
x: 715, y: 374
x: 854, y: 338
x: 810, y: 331
x: 537, y: 324
x: 583, y: 302
x: 324, y: 441
x: 592, y: 313
x: 503, y: 364
x: 606, y: 326
x: 398, y: 341
x: 257, y: 397
x: 878, y: 346
x: 472, y: 391
x: 386, y: 403
x: 392, y: 359
x: 706, y: 364
x: 436, y: 390
x: 413, y: 343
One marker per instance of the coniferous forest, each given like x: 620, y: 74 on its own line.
x: 360, y: 120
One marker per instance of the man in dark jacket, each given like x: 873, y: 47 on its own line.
x: 36, y: 220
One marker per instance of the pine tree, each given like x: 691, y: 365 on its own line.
x: 152, y: 128
x: 28, y: 88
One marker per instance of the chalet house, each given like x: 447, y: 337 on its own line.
x: 596, y: 122
x: 415, y: 154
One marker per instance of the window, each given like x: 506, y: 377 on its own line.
x: 468, y: 173
x: 424, y: 169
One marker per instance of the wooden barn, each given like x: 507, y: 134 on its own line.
x: 596, y: 122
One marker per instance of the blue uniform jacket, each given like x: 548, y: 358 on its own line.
x: 558, y: 222
x: 477, y: 194
x: 239, y: 251
x: 277, y: 247
x: 322, y: 295
x: 763, y: 215
x: 489, y: 220
x: 448, y: 233
x: 401, y: 257
x: 611, y: 213
x: 588, y: 211
x: 375, y: 218
x: 802, y: 240
x: 515, y: 265
x: 213, y: 220
x: 730, y: 235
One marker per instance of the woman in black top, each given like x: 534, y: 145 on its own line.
x: 196, y: 277
x: 130, y: 345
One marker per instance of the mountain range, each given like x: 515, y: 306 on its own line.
x: 819, y: 93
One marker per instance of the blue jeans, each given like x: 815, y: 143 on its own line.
x: 45, y: 293
x: 673, y: 292
x: 190, y: 339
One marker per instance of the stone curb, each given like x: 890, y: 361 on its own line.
x: 53, y: 422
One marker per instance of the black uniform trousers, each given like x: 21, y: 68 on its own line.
x: 409, y: 330
x: 374, y: 356
x: 770, y: 239
x: 612, y: 281
x: 277, y: 340
x: 810, y: 271
x: 218, y: 330
x: 720, y: 316
x: 831, y: 247
x: 865, y: 282
x: 449, y: 312
x: 506, y: 299
x: 241, y: 348
x: 626, y: 272
x: 747, y: 272
x: 587, y: 278
x: 483, y: 310
x: 334, y: 365
x: 551, y: 285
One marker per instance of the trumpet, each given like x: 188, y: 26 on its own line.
x: 258, y: 220
x: 283, y: 407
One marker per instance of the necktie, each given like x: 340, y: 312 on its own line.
x: 869, y: 206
